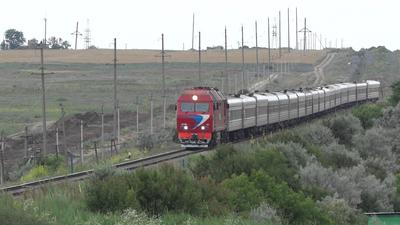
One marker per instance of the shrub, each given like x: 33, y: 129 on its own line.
x: 344, y: 127
x: 110, y: 194
x: 317, y: 134
x: 13, y: 214
x: 132, y: 217
x: 166, y: 189
x: 337, y: 156
x: 340, y: 212
x: 244, y: 194
x: 367, y: 114
x: 265, y: 214
x: 395, y: 97
x: 293, y: 206
x: 35, y: 173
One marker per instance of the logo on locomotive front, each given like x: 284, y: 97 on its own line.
x: 199, y: 120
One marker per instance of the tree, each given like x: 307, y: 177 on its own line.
x: 14, y: 38
x: 57, y: 43
x: 395, y: 98
x: 33, y: 43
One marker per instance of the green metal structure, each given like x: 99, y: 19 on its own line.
x: 384, y: 218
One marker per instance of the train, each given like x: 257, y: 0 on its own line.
x: 206, y: 117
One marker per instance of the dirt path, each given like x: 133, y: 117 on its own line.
x: 262, y: 84
x: 319, y: 69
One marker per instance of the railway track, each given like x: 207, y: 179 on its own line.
x: 130, y: 165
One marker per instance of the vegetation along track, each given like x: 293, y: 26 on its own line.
x: 130, y: 165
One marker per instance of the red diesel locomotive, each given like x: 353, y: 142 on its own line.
x: 201, y: 116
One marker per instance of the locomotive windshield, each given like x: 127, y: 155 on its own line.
x: 194, y: 107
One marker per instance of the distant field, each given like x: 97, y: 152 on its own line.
x: 82, y: 80
x: 103, y: 56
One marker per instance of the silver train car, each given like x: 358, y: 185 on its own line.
x: 265, y: 110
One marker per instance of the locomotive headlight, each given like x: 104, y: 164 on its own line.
x: 185, y: 127
x: 203, y: 128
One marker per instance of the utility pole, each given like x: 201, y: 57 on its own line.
x: 243, y: 80
x: 45, y: 32
x: 280, y: 36
x: 63, y: 128
x: 43, y: 105
x: 163, y: 77
x: 269, y: 52
x: 2, y: 140
x: 226, y: 61
x: 102, y: 124
x: 137, y: 115
x: 119, y: 126
x: 257, y: 52
x: 81, y: 147
x: 76, y: 33
x: 288, y: 27
x: 57, y: 144
x: 193, y: 33
x: 26, y: 142
x: 297, y: 38
x: 305, y: 30
x: 199, y: 58
x: 151, y: 114
x: 115, y: 90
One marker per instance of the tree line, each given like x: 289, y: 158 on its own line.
x: 15, y: 39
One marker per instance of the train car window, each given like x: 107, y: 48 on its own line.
x: 202, y: 107
x: 187, y: 107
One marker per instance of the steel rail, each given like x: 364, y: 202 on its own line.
x: 129, y: 165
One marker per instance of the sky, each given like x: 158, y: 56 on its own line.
x: 139, y: 24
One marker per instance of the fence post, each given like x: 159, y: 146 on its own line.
x: 81, y: 150
x: 2, y: 160
x: 95, y: 151
x: 57, y: 144
x: 151, y: 114
x: 26, y: 142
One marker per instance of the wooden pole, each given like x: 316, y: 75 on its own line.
x: 257, y: 69
x: 57, y: 144
x: 81, y: 147
x: 163, y: 81
x: 199, y: 58
x: 226, y: 61
x: 44, y: 152
x: 26, y: 142
x: 2, y: 159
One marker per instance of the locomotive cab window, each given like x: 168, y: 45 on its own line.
x: 187, y: 107
x: 202, y: 107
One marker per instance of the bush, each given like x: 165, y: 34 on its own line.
x: 166, y: 189
x: 13, y: 214
x: 395, y: 97
x: 154, y: 191
x: 35, y: 173
x: 132, y: 217
x: 337, y: 156
x: 367, y: 114
x: 293, y: 206
x: 110, y: 194
x: 344, y: 127
x: 244, y: 194
x: 317, y: 134
x: 340, y: 212
x: 265, y: 214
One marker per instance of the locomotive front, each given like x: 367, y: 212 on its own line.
x: 194, y: 118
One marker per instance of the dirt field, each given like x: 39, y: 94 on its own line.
x: 103, y: 56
